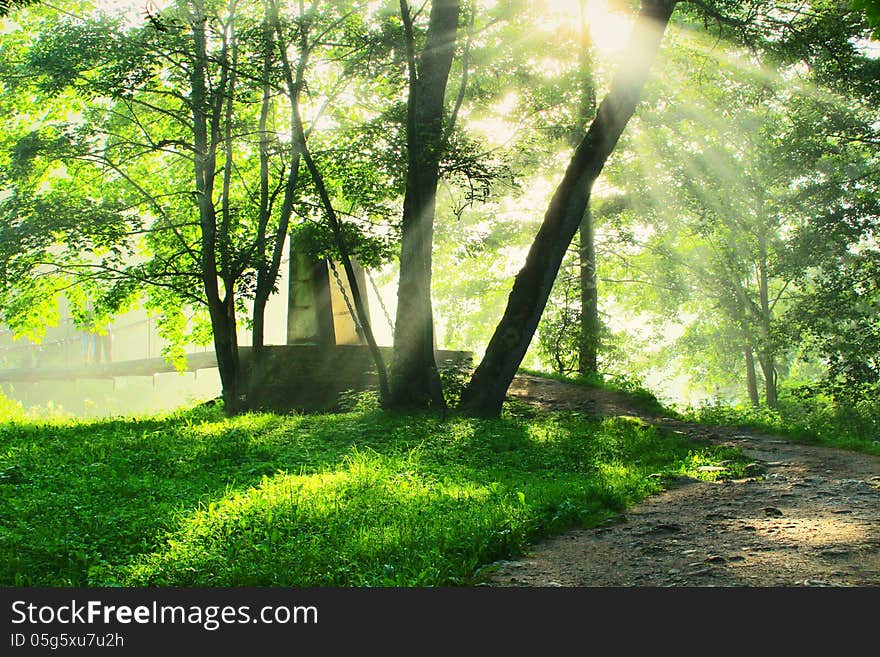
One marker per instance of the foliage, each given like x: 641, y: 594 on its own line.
x: 356, y: 499
x: 9, y: 408
x: 754, y: 153
x: 736, y: 224
x: 454, y: 375
x: 316, y: 239
x: 559, y: 331
x: 805, y: 414
x: 359, y: 401
x: 872, y: 13
x: 8, y: 5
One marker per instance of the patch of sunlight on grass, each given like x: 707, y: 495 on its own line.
x: 371, y: 509
x: 353, y: 499
x: 545, y: 433
x: 461, y: 430
x: 248, y: 422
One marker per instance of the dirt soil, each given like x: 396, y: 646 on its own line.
x: 809, y: 517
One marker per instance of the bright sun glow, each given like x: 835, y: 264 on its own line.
x: 609, y: 29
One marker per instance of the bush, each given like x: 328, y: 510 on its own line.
x: 10, y: 409
x: 806, y: 413
x: 454, y: 376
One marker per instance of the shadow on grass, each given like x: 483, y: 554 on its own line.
x: 352, y: 499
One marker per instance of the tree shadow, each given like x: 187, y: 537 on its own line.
x: 303, y: 500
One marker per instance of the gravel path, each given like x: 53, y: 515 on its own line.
x: 810, y: 517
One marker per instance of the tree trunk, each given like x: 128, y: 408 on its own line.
x: 751, y: 377
x: 588, y: 344
x: 206, y: 137
x: 487, y: 388
x: 588, y: 338
x: 767, y: 355
x: 771, y: 391
x: 263, y: 274
x: 258, y: 323
x: 362, y: 315
x: 223, y: 324
x: 270, y: 263
x: 415, y: 381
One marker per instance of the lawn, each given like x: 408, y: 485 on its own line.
x: 363, y: 498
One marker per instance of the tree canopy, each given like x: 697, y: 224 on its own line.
x: 685, y: 187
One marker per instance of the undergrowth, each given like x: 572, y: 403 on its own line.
x: 806, y: 418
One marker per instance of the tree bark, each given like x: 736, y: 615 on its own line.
x: 263, y: 289
x: 224, y: 328
x: 270, y: 263
x: 487, y: 388
x: 767, y: 356
x: 751, y: 377
x: 206, y: 137
x: 588, y: 343
x: 588, y: 338
x: 771, y: 391
x: 415, y: 381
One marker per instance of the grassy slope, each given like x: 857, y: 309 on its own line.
x: 639, y: 396
x: 813, y: 419
x: 812, y: 422
x: 362, y: 498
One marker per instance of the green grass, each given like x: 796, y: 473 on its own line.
x: 813, y: 421
x: 355, y: 499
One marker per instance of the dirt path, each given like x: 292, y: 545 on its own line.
x: 810, y: 518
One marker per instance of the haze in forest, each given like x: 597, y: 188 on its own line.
x: 167, y: 163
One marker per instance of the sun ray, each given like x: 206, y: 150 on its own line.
x: 608, y: 29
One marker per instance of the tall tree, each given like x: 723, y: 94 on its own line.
x: 415, y: 381
x: 590, y: 324
x: 176, y: 109
x: 487, y: 388
x: 733, y: 179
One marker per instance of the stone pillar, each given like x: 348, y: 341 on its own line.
x: 309, y: 307
x: 346, y: 328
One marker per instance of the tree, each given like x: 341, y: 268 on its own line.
x: 872, y: 14
x: 590, y: 324
x: 761, y: 25
x: 729, y: 178
x: 415, y: 381
x: 732, y: 194
x: 184, y: 102
x: 834, y: 314
x: 487, y: 388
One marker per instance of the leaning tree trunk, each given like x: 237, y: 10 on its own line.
x: 487, y: 388
x: 300, y: 140
x: 415, y: 381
